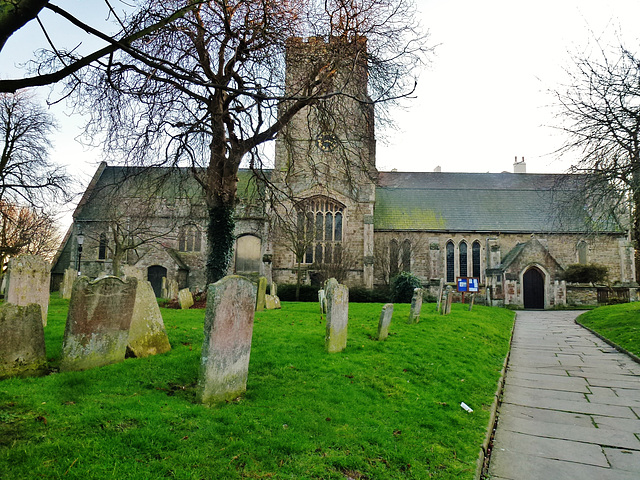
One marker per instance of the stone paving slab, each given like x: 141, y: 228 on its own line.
x: 570, y: 407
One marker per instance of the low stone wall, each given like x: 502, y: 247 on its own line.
x: 587, y: 294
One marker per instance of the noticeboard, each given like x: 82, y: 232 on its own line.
x: 468, y: 284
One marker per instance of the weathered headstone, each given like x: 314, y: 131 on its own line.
x: 29, y: 277
x: 273, y: 289
x: 185, y: 299
x: 164, y: 291
x: 172, y: 289
x: 322, y: 300
x: 277, y: 302
x: 337, y: 316
x: 98, y: 322
x: 416, y: 306
x: 22, y: 349
x: 385, y: 320
x: 226, y: 348
x: 440, y: 290
x: 473, y: 297
x: 147, y: 335
x: 262, y: 291
x: 66, y: 286
x: 270, y: 302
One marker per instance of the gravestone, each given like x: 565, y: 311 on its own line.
x: 385, y: 320
x: 440, y: 290
x: 270, y: 302
x: 185, y: 299
x: 147, y: 335
x: 164, y: 291
x: 262, y: 291
x: 172, y: 289
x: 273, y: 289
x: 416, y: 306
x: 22, y: 348
x: 228, y: 327
x: 29, y: 278
x: 322, y: 300
x: 66, y: 286
x: 276, y: 299
x: 98, y: 322
x: 337, y: 316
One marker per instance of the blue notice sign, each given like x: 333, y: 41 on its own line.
x: 473, y: 284
x: 462, y: 284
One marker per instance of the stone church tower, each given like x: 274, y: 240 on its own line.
x: 325, y: 162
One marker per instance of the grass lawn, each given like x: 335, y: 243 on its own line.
x: 619, y: 323
x: 378, y: 410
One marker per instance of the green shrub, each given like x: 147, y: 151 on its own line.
x: 402, y: 286
x: 287, y: 293
x: 368, y: 295
x: 591, y: 273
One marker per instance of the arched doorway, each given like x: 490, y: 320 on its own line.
x: 533, y: 286
x: 155, y: 274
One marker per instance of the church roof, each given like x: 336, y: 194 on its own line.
x: 482, y: 202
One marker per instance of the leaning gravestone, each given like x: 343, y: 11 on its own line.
x: 185, y: 299
x: 262, y: 291
x: 29, y: 278
x: 337, y: 316
x: 98, y: 322
x: 416, y: 306
x: 228, y: 327
x: 172, y: 289
x: 22, y: 349
x: 147, y: 335
x: 385, y: 320
x: 66, y: 286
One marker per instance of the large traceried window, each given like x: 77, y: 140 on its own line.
x: 248, y: 254
x: 189, y: 239
x: 475, y: 259
x: 462, y: 250
x: 320, y: 224
x: 450, y: 252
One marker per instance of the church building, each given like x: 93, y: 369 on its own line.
x: 330, y: 213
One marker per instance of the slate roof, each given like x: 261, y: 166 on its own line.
x: 479, y: 202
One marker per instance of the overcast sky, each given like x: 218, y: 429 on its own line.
x: 482, y: 101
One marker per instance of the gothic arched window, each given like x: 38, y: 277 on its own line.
x: 406, y: 256
x: 450, y: 252
x: 394, y: 257
x: 582, y: 252
x: 320, y: 224
x: 102, y: 247
x: 189, y: 239
x: 475, y: 259
x: 463, y: 258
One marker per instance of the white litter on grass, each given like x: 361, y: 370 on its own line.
x: 466, y: 407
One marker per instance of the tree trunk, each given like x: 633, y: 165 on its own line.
x: 116, y: 263
x: 220, y: 236
x: 298, y: 281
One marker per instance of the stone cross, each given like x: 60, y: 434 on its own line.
x: 416, y: 306
x: 262, y: 291
x: 185, y: 298
x: 98, y: 322
x: 337, y: 316
x: 29, y: 277
x: 228, y: 327
x: 385, y: 320
x: 22, y: 349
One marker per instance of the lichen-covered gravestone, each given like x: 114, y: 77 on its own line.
x: 98, y: 322
x: 29, y: 277
x: 185, y: 298
x: 147, y: 335
x: 385, y: 320
x: 337, y: 316
x: 262, y: 291
x: 22, y: 349
x: 66, y: 286
x: 322, y: 300
x: 416, y: 306
x: 228, y: 327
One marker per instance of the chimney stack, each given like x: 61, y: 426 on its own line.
x: 519, y: 167
x: 438, y: 169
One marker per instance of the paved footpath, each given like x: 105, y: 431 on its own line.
x: 571, y: 405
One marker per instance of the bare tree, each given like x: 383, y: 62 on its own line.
x: 207, y: 89
x: 600, y: 112
x: 26, y: 230
x: 26, y: 174
x: 394, y: 255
